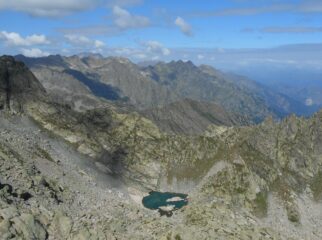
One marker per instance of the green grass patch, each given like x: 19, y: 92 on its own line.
x: 316, y: 186
x: 260, y: 205
x: 44, y: 154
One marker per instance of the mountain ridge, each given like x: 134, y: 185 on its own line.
x: 67, y: 174
x: 192, y: 117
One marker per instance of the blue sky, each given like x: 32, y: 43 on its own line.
x: 202, y: 31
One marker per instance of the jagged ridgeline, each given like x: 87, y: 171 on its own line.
x: 79, y: 80
x: 68, y: 174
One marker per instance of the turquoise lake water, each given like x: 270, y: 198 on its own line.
x: 159, y: 199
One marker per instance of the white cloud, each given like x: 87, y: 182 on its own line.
x: 166, y: 51
x: 124, y: 19
x: 80, y: 40
x: 140, y: 56
x: 291, y: 29
x: 59, y: 8
x: 184, y: 26
x: 309, y: 102
x: 155, y: 58
x: 34, y: 52
x: 304, y: 7
x: 137, y: 54
x: 12, y: 38
x: 48, y: 8
x: 123, y: 3
x: 200, y: 56
x: 156, y: 47
x: 99, y: 44
x: 123, y: 51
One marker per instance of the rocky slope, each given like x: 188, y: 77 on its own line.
x: 192, y: 117
x: 63, y: 86
x: 80, y: 175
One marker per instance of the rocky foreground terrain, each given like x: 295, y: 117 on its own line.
x: 67, y: 174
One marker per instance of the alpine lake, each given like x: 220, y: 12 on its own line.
x: 165, y: 202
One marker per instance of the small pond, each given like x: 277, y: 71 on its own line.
x: 165, y: 202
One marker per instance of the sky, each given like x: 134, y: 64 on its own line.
x: 229, y: 34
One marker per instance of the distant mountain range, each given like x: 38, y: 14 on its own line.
x: 167, y: 93
x: 303, y: 84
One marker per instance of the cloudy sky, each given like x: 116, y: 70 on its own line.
x: 226, y: 33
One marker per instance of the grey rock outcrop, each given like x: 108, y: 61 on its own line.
x: 17, y: 85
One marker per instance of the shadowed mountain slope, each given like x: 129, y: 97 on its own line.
x: 17, y: 85
x: 191, y: 117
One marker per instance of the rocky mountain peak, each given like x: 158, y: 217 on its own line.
x: 90, y: 55
x: 17, y: 84
x: 182, y: 64
x: 121, y: 60
x: 49, y: 61
x: 208, y: 69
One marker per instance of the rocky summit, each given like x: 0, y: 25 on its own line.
x: 67, y: 173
